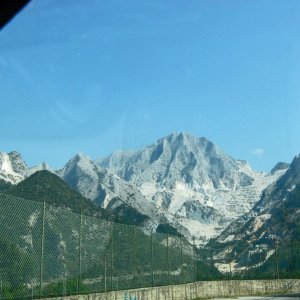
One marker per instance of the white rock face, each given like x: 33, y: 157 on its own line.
x: 105, y: 188
x: 195, y: 184
x: 13, y: 169
x: 273, y: 217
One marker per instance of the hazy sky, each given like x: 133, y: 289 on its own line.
x: 94, y: 76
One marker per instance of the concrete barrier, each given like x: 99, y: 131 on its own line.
x: 201, y: 289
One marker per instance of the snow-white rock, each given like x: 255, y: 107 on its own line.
x: 13, y: 169
x: 190, y: 178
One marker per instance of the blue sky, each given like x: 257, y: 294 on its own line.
x: 94, y: 76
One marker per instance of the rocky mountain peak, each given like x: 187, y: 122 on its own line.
x: 187, y: 142
x: 279, y: 166
x: 45, y: 166
x: 80, y: 157
x: 13, y: 168
x: 191, y: 180
x: 81, y: 165
x: 291, y: 177
x: 17, y: 162
x: 15, y: 154
x: 295, y: 165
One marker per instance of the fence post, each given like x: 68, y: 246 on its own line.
x: 79, y: 258
x: 260, y: 262
x: 229, y: 262
x: 288, y: 261
x: 181, y: 260
x: 211, y: 260
x: 194, y: 257
x: 276, y: 257
x: 111, y: 254
x: 152, y: 266
x: 133, y: 256
x: 42, y: 248
x: 168, y: 260
x: 105, y: 271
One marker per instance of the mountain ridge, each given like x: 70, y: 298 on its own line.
x: 183, y: 174
x: 181, y: 180
x: 275, y: 217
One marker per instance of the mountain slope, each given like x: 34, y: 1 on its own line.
x: 4, y: 185
x: 48, y: 187
x: 276, y: 216
x: 192, y: 181
x: 109, y: 191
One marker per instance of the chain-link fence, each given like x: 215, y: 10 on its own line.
x: 48, y: 251
x: 269, y: 260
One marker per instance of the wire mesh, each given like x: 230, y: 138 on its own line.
x: 123, y: 256
x: 160, y: 259
x: 94, y: 256
x: 143, y: 267
x: 175, y: 265
x: 20, y: 247
x: 60, y: 266
x: 187, y: 262
x: 46, y: 251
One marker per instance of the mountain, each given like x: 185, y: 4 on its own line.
x: 181, y: 182
x: 109, y: 191
x: 280, y: 166
x: 276, y: 216
x: 105, y: 189
x: 48, y: 187
x: 196, y: 184
x: 13, y: 168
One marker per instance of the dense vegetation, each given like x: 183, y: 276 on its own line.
x: 4, y: 186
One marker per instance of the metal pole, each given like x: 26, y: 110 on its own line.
x: 181, y: 260
x: 105, y: 287
x: 42, y: 248
x: 194, y: 257
x: 229, y: 263
x: 260, y: 262
x: 168, y: 259
x: 64, y: 285
x: 133, y: 256
x: 211, y: 260
x: 288, y: 261
x: 152, y: 267
x: 111, y: 254
x: 80, y: 236
x: 276, y: 256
